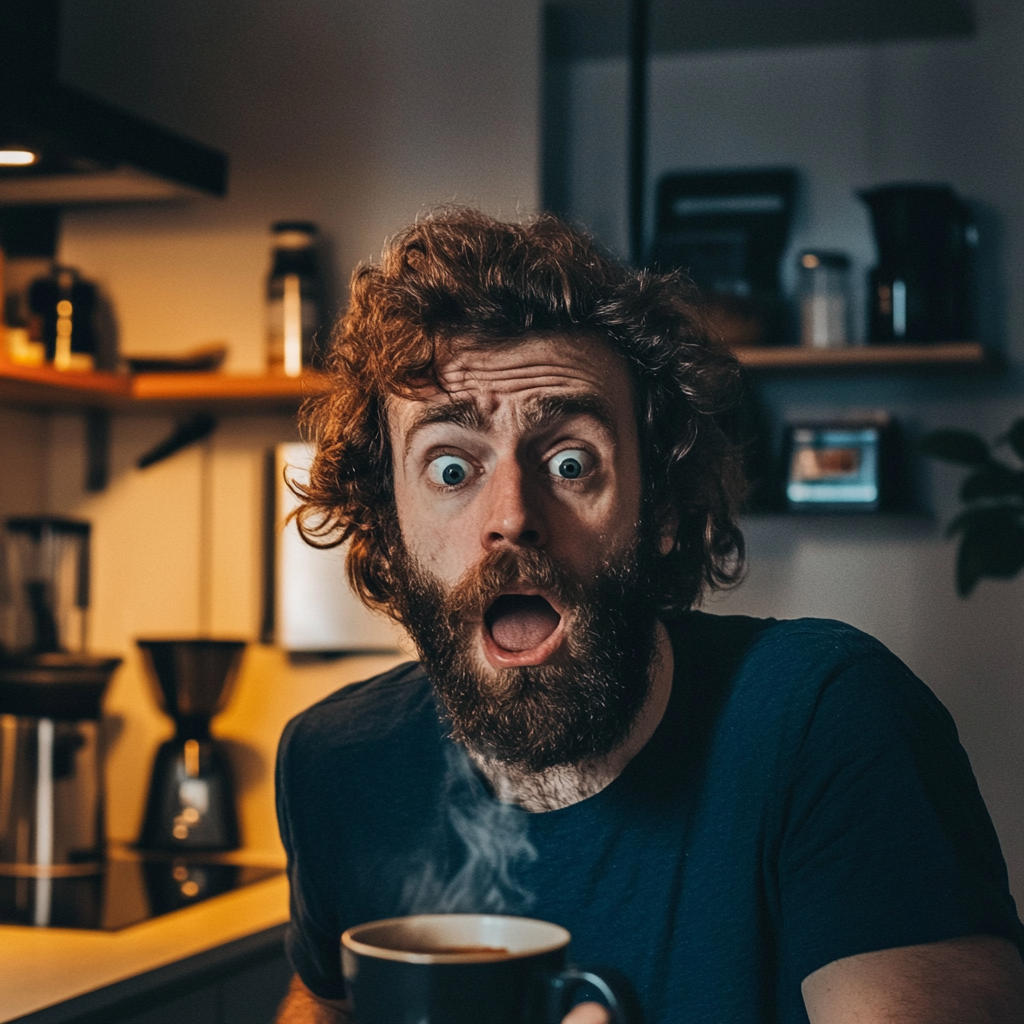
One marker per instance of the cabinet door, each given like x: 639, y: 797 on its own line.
x: 252, y: 996
x: 199, y: 1007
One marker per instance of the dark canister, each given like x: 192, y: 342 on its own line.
x: 922, y: 289
x: 464, y: 969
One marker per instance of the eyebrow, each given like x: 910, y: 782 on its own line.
x: 537, y: 413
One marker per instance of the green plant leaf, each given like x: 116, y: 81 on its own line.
x: 993, y: 481
x: 1015, y: 437
x: 997, y: 520
x: 959, y: 446
x: 983, y: 552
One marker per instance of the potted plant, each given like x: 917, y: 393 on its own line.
x: 991, y: 526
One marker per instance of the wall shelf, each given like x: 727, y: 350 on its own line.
x: 581, y: 29
x: 46, y: 388
x: 865, y: 357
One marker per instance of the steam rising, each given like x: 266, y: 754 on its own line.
x: 492, y: 838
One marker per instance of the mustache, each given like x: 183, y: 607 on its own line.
x: 506, y: 568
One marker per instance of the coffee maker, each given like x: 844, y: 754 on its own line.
x: 191, y: 804
x: 52, y: 837
x: 922, y: 289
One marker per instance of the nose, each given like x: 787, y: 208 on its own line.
x: 512, y: 515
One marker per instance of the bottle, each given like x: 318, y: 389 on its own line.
x: 824, y: 299
x: 63, y: 307
x: 293, y: 299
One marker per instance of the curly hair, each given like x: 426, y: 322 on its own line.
x: 459, y: 274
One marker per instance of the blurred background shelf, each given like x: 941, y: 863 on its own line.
x: 43, y: 387
x: 865, y: 357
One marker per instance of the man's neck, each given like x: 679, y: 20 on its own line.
x: 559, y: 787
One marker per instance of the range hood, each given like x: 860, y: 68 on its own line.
x: 83, y: 149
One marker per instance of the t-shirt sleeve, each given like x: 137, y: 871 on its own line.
x: 885, y: 840
x: 311, y: 941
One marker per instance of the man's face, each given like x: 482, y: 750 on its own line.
x: 518, y: 492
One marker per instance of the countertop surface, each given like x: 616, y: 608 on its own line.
x: 40, y: 967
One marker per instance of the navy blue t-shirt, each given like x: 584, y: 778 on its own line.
x: 805, y: 798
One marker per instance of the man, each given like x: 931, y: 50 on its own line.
x: 748, y: 821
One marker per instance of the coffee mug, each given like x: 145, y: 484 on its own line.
x: 463, y: 969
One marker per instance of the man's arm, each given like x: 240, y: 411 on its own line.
x: 300, y: 1006
x: 974, y: 980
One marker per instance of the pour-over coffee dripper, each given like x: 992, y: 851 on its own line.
x: 191, y: 802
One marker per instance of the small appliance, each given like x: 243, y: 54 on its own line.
x: 922, y: 289
x: 191, y: 804
x: 727, y: 230
x: 51, y: 744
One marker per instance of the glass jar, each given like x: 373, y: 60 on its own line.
x: 824, y: 294
x: 293, y: 299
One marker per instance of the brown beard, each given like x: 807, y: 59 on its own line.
x: 536, y: 717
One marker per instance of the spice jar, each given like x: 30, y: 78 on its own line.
x: 824, y: 293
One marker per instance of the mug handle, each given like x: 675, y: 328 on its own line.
x: 564, y: 985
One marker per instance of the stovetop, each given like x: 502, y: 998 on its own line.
x: 132, y: 887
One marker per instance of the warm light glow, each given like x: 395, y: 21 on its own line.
x: 17, y: 157
x: 292, y: 326
x: 809, y: 260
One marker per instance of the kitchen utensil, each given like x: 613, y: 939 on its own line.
x: 191, y: 802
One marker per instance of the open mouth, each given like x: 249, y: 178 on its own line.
x: 521, y: 622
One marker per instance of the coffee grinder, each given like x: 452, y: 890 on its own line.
x: 191, y: 803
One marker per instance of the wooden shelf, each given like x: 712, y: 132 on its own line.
x: 46, y: 388
x: 222, y: 392
x: 864, y: 357
x: 581, y: 29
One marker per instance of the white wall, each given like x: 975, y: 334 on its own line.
x: 357, y: 114
x: 848, y: 117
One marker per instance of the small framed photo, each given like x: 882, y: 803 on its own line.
x: 837, y: 466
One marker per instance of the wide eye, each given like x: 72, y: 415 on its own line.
x: 570, y: 464
x: 448, y: 470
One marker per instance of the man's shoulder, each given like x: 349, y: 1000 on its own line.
x: 818, y: 646
x: 788, y: 664
x: 365, y: 712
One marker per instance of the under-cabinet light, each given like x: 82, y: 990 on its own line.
x: 17, y: 157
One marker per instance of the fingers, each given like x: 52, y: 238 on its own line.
x: 588, y: 1013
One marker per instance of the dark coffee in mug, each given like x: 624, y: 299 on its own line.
x: 461, y: 969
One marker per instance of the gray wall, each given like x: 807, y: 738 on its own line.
x: 852, y: 116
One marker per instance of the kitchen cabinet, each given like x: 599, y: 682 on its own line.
x: 220, y: 961
x: 241, y: 982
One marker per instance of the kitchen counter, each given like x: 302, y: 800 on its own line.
x: 43, y: 967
